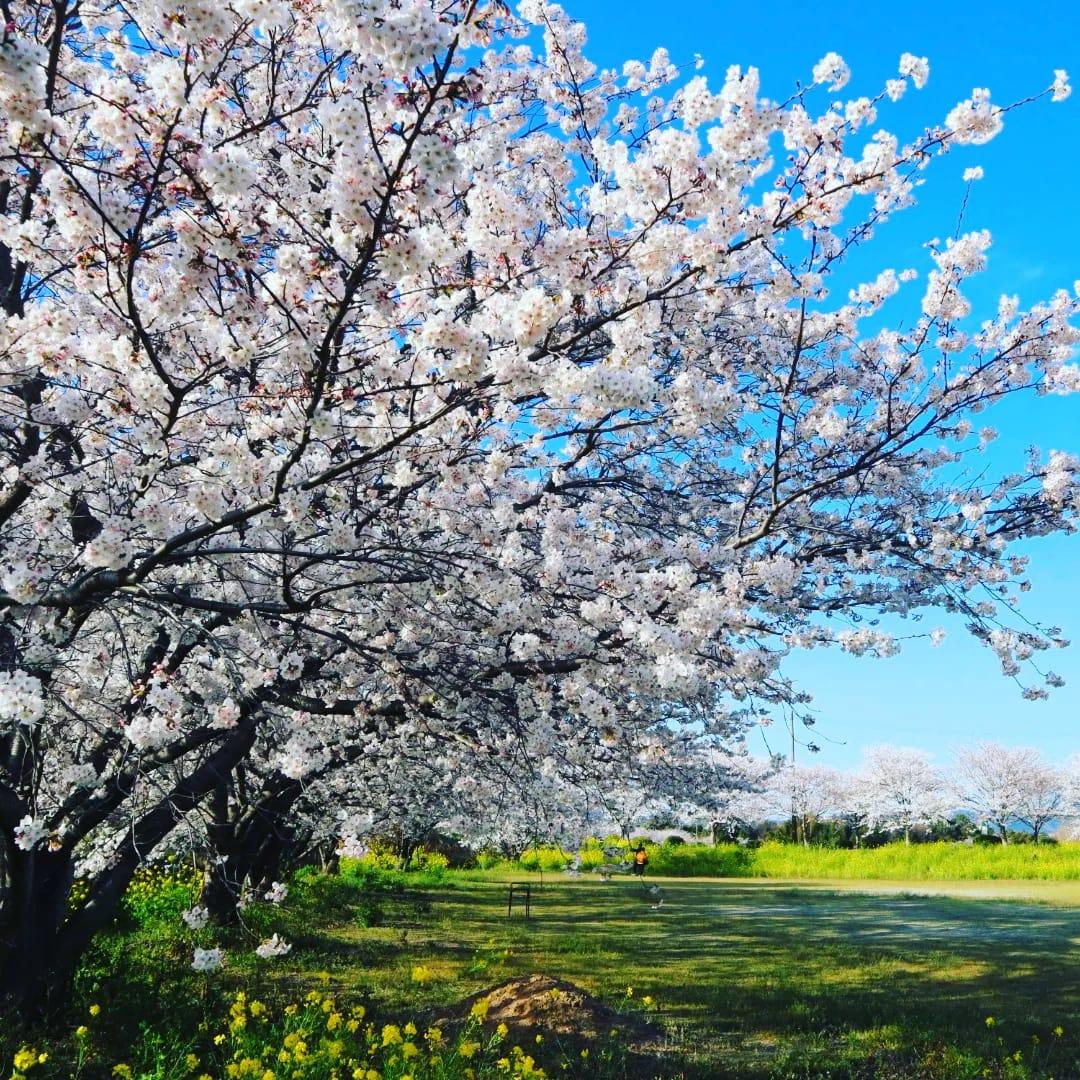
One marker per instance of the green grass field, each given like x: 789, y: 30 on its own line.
x: 758, y: 979
x: 748, y: 978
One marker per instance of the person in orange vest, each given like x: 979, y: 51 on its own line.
x: 641, y: 860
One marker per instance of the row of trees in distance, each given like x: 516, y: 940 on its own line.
x: 900, y: 791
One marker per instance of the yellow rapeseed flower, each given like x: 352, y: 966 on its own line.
x: 502, y: 1031
x: 480, y: 1009
x: 391, y: 1034
x: 409, y: 1028
x: 25, y: 1058
x: 468, y: 1049
x: 95, y: 1010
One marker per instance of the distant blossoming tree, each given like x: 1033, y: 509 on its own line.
x: 374, y: 368
x: 1003, y: 787
x: 898, y: 789
x: 807, y: 794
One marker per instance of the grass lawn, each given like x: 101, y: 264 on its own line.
x: 752, y: 978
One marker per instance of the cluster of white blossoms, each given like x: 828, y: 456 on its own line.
x: 832, y: 70
x: 21, y: 700
x: 959, y: 259
x: 272, y: 948
x: 395, y: 400
x: 535, y: 312
x: 225, y: 714
x: 976, y: 120
x: 29, y: 832
x: 1061, y: 480
x: 208, y: 960
x: 195, y: 918
x: 915, y: 68
x: 277, y: 893
x: 22, y: 87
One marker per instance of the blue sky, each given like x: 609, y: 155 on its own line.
x: 939, y: 698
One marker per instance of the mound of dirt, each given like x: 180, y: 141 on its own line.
x: 555, y: 1005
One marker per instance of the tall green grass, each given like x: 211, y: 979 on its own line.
x: 940, y: 861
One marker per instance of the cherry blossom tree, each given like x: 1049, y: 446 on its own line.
x: 807, y: 794
x: 1002, y: 787
x: 382, y: 370
x: 898, y: 789
x: 1043, y: 795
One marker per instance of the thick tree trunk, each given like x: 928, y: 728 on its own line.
x: 42, y: 942
x: 33, y: 966
x: 250, y: 841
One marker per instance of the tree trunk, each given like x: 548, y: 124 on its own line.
x: 250, y: 841
x: 41, y: 941
x: 33, y: 967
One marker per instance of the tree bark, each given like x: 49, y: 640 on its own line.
x: 35, y: 905
x: 250, y: 840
